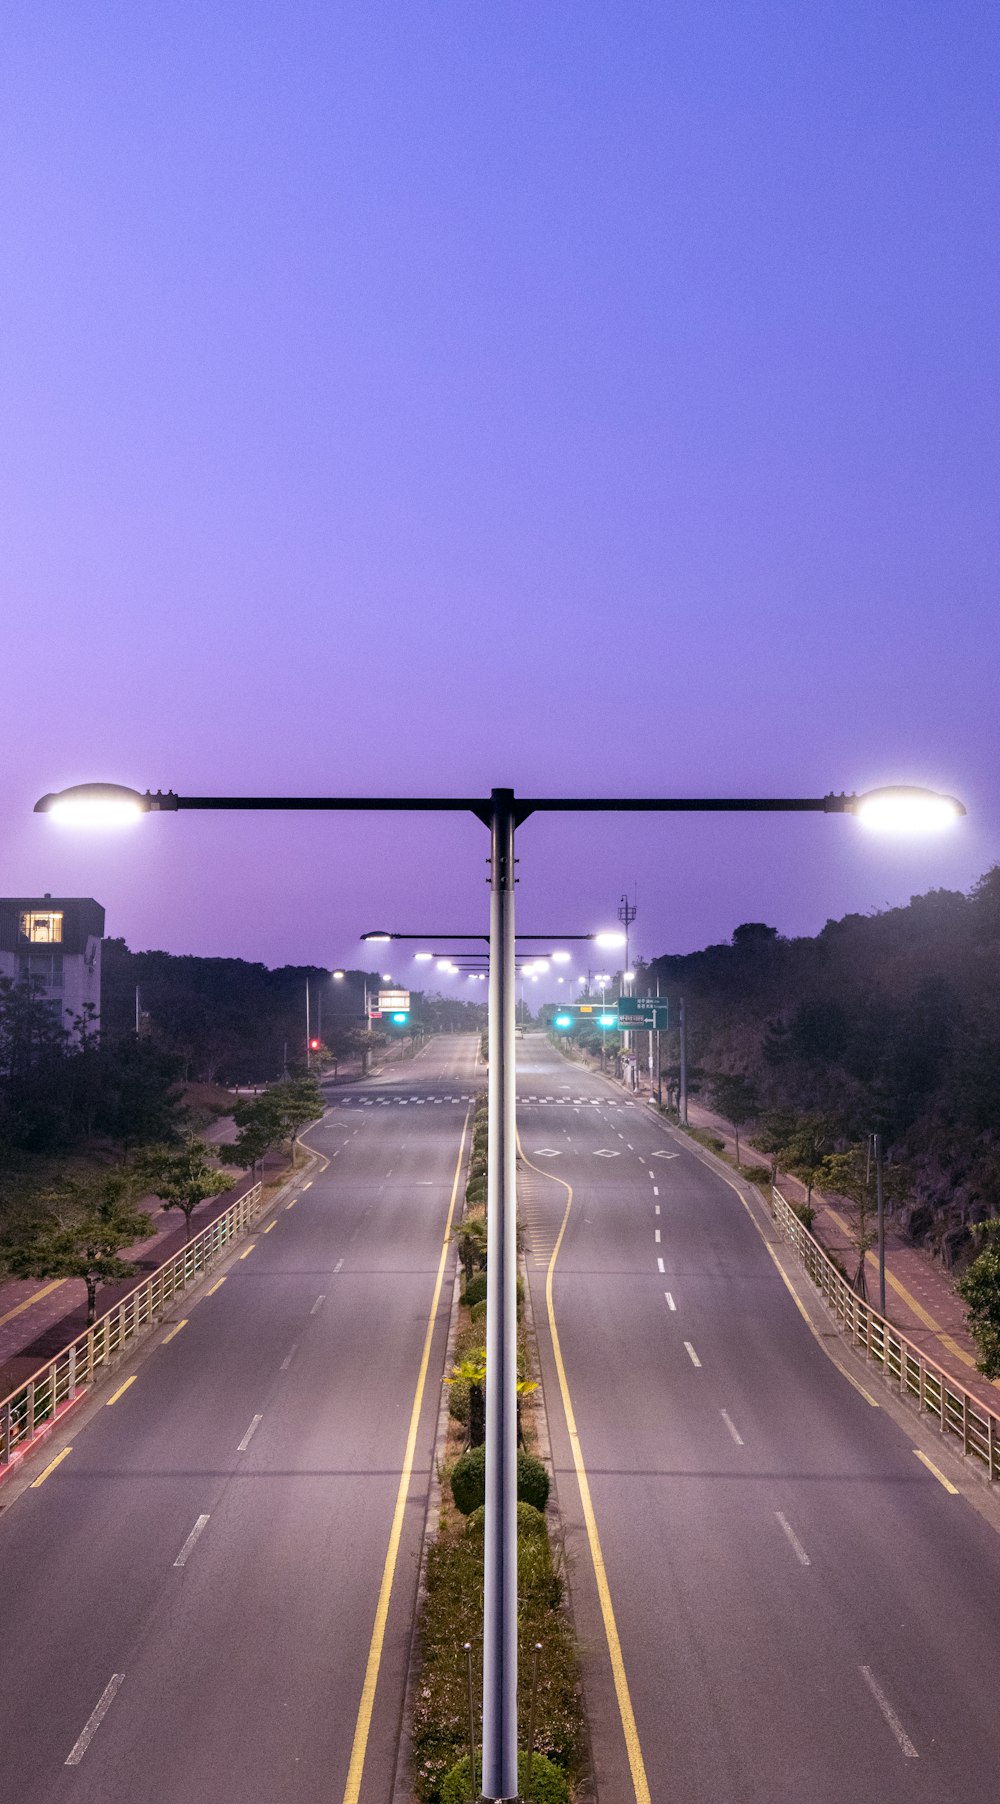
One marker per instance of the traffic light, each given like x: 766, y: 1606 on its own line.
x: 400, y: 1017
x: 314, y: 1045
x: 563, y: 1022
x: 607, y: 1020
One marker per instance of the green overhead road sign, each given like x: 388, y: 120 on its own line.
x: 636, y: 1012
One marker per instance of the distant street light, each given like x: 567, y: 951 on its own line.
x: 896, y: 809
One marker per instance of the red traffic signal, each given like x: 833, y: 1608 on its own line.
x: 314, y: 1045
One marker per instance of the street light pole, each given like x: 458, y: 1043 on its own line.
x: 101, y: 804
x: 500, y: 1569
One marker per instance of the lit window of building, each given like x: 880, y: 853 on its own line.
x: 42, y: 929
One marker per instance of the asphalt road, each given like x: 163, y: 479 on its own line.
x: 806, y: 1615
x: 218, y: 1535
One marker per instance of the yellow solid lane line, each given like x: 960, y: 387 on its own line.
x: 174, y: 1330
x: 50, y: 1468
x: 28, y: 1302
x: 931, y: 1467
x: 359, y: 1748
x: 120, y: 1392
x: 637, y: 1765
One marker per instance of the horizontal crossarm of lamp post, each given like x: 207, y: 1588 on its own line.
x: 104, y: 804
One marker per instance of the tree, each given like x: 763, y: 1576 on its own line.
x: 471, y: 1242
x: 300, y: 1101
x: 806, y: 1151
x: 262, y: 1126
x: 979, y: 1289
x: 849, y: 1175
x: 80, y: 1232
x: 182, y: 1177
x: 737, y: 1101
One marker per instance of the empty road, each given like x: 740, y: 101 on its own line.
x: 806, y: 1615
x: 189, y: 1597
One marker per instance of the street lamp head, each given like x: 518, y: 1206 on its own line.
x: 610, y: 940
x: 338, y: 976
x: 561, y: 958
x: 377, y: 938
x: 94, y: 805
x: 423, y: 958
x: 628, y: 976
x: 907, y: 810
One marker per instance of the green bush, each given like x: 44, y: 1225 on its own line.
x: 805, y: 1212
x: 478, y: 1311
x: 458, y: 1401
x: 468, y: 1480
x: 476, y: 1291
x: 532, y: 1481
x: 476, y: 1191
x: 757, y: 1174
x: 530, y: 1522
x: 548, y: 1784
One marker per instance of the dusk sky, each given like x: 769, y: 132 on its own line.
x: 411, y: 397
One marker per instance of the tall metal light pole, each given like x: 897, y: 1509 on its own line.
x: 103, y: 804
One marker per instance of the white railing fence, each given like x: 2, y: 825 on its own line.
x: 904, y: 1365
x: 36, y: 1402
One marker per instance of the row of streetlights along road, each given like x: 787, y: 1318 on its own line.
x: 898, y: 809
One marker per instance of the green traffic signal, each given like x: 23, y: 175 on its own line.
x: 563, y: 1021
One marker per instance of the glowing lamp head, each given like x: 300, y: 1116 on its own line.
x: 378, y: 938
x: 94, y: 805
x: 607, y: 1020
x: 907, y: 810
x: 314, y: 1046
x: 610, y: 940
x: 423, y: 958
x: 563, y: 1022
x: 561, y: 958
x: 339, y: 976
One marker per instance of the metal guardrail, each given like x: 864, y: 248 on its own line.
x: 916, y: 1376
x: 37, y: 1401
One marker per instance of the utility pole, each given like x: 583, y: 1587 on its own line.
x: 880, y: 1205
x: 138, y: 1013
x: 682, y: 1099
x: 308, y: 1057
x: 626, y: 915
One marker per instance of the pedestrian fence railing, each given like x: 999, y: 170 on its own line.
x: 36, y: 1402
x: 903, y: 1364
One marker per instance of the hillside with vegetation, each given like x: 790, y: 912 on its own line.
x: 887, y: 1022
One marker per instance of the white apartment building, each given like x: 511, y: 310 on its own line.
x: 54, y: 943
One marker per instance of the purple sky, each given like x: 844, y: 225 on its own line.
x: 418, y: 397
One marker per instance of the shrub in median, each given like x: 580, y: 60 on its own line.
x: 475, y: 1290
x: 468, y: 1480
x: 548, y: 1785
